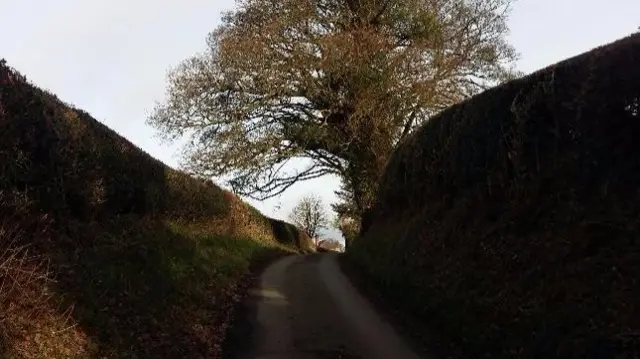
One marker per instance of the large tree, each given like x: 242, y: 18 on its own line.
x: 310, y: 215
x: 335, y: 82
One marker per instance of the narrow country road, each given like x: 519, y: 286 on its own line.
x: 303, y: 307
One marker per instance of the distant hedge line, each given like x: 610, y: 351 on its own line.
x: 511, y: 221
x: 68, y: 164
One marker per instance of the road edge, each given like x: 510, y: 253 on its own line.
x: 240, y: 324
x: 422, y: 340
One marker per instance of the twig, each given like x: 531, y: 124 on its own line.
x: 65, y: 329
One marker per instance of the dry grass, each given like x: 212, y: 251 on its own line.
x: 32, y: 323
x: 142, y: 288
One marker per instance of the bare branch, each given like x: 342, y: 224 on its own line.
x: 310, y: 215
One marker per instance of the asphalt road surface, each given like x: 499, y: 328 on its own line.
x: 303, y: 307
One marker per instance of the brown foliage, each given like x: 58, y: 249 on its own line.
x: 330, y: 245
x: 290, y: 234
x: 336, y: 82
x: 29, y: 314
x: 511, y: 219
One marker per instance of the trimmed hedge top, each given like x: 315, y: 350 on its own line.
x: 510, y: 221
x: 69, y: 164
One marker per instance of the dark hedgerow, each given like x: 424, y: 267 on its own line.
x: 510, y: 222
x: 104, y: 250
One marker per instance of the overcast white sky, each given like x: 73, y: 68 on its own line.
x: 110, y: 57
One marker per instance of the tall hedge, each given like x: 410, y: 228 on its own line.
x: 67, y: 164
x: 510, y: 221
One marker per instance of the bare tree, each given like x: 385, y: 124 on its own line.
x: 310, y: 215
x: 337, y: 83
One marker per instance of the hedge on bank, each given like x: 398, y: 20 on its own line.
x: 511, y: 220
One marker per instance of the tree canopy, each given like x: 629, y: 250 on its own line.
x: 337, y: 83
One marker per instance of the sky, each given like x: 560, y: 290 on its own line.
x: 110, y: 58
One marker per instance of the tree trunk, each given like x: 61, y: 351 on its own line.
x: 364, y: 191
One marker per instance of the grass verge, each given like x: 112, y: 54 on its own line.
x: 141, y: 288
x: 106, y: 251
